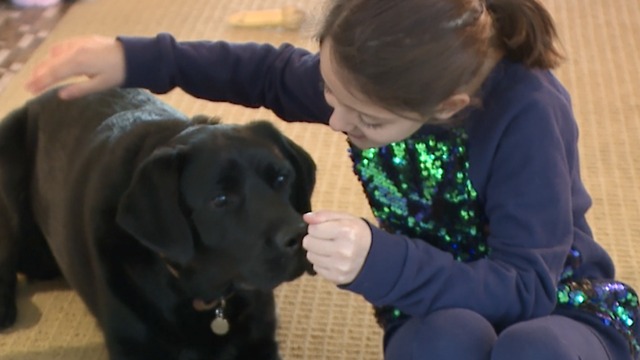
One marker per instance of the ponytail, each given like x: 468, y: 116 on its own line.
x: 525, y: 31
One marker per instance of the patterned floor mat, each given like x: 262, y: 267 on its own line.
x: 21, y: 31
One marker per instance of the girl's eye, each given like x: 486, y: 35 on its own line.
x: 219, y: 201
x: 367, y: 124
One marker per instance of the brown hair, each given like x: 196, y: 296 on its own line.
x: 410, y: 55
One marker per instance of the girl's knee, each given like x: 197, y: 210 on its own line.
x: 531, y: 341
x: 445, y: 334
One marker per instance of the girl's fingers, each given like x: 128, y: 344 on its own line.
x: 100, y: 60
x: 79, y: 89
x: 320, y: 247
x: 321, y: 216
x: 52, y: 71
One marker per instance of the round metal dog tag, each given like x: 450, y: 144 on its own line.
x: 220, y: 326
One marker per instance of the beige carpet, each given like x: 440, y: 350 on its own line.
x: 317, y: 321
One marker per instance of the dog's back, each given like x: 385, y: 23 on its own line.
x: 68, y: 133
x: 50, y: 144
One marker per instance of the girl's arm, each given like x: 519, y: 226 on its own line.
x: 284, y: 79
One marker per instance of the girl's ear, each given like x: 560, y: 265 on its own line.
x: 452, y: 105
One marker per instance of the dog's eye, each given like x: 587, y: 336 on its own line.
x: 219, y: 201
x: 279, y: 181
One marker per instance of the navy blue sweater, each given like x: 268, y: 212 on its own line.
x: 523, y: 162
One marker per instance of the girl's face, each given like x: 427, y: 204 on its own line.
x: 366, y: 124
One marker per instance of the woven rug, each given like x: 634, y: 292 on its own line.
x: 22, y: 30
x: 318, y: 321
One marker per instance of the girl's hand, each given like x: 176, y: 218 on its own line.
x: 99, y: 59
x: 337, y: 245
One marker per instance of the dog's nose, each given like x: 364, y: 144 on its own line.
x: 290, y: 238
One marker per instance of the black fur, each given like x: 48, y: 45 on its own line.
x: 144, y: 211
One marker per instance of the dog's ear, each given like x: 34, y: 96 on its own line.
x: 150, y: 208
x: 299, y: 158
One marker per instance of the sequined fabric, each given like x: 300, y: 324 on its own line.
x: 420, y: 188
x: 615, y: 303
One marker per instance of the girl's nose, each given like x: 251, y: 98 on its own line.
x: 342, y: 121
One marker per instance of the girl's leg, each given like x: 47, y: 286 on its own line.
x: 560, y: 338
x: 452, y: 334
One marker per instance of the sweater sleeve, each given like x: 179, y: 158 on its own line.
x: 528, y: 205
x: 285, y: 79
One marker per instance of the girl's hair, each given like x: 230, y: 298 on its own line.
x: 410, y: 55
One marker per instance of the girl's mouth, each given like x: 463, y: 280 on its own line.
x: 356, y: 137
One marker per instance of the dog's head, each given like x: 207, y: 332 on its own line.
x: 222, y: 205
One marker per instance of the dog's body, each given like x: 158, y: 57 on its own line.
x: 157, y: 221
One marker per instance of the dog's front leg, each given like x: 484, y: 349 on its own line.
x: 14, y: 173
x: 134, y: 348
x: 264, y: 350
x: 9, y: 255
x: 8, y: 308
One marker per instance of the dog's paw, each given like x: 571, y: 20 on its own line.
x: 8, y: 312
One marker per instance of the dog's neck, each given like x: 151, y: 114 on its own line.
x: 219, y: 324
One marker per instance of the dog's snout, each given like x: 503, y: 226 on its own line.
x: 290, y: 239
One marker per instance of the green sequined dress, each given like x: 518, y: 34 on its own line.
x: 420, y: 188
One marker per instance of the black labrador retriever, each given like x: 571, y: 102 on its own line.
x: 174, y: 231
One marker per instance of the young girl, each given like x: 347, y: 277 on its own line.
x: 466, y: 146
